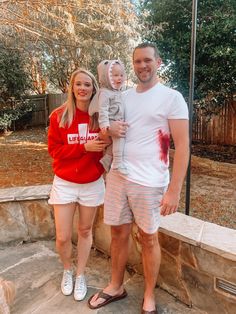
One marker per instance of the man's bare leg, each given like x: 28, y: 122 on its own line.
x: 151, y: 258
x: 119, y: 256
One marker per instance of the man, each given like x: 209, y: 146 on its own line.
x: 152, y: 112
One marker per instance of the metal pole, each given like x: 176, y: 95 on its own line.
x: 191, y: 96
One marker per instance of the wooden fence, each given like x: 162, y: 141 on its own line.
x: 220, y: 129
x: 39, y: 113
x: 55, y: 100
x: 43, y: 106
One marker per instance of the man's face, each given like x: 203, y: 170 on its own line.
x: 145, y: 64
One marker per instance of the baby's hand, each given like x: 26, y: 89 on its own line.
x: 104, y: 130
x: 105, y: 137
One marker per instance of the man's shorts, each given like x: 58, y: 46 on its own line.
x: 126, y: 201
x: 88, y: 194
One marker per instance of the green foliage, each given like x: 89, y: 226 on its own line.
x: 15, y: 112
x: 169, y: 26
x: 13, y: 78
x: 14, y: 83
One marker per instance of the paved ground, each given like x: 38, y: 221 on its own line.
x: 36, y: 271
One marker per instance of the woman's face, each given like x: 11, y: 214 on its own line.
x: 82, y: 88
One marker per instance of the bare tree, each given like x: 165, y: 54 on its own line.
x: 59, y: 36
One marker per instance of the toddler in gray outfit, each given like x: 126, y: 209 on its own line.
x: 108, y: 103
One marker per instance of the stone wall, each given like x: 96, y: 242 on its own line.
x: 198, y: 258
x: 25, y: 214
x: 195, y: 256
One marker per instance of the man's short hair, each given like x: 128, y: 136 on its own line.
x: 146, y: 45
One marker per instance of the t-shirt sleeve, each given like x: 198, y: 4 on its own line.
x: 178, y: 108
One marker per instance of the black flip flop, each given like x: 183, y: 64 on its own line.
x: 148, y: 312
x: 107, y: 299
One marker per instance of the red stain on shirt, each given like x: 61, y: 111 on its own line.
x: 164, y: 141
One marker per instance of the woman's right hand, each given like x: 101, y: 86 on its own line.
x: 95, y: 145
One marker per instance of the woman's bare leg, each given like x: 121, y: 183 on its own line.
x: 85, y: 238
x: 64, y: 215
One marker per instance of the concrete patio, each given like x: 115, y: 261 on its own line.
x: 35, y: 270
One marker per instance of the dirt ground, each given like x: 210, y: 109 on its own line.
x: 25, y: 161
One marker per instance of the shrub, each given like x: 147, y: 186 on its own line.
x: 17, y: 111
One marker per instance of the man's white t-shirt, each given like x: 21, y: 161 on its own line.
x: 146, y: 152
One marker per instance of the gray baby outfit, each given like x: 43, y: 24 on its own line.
x: 108, y: 102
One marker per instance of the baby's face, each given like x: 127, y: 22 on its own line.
x: 117, y: 75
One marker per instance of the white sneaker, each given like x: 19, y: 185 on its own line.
x: 80, y: 289
x: 67, y: 282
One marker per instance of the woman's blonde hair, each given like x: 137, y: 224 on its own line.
x: 70, y: 105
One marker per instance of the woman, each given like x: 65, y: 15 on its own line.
x: 76, y: 150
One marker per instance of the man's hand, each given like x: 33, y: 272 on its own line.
x: 95, y: 145
x: 118, y: 128
x: 169, y: 203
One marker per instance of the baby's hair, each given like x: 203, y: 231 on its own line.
x: 7, y: 294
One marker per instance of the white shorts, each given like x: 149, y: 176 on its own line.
x: 126, y: 201
x: 88, y: 194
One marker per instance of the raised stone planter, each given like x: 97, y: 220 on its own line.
x: 25, y: 214
x: 198, y: 258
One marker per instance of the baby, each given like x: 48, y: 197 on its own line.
x: 7, y: 293
x: 108, y: 103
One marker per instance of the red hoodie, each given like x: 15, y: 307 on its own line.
x: 66, y: 146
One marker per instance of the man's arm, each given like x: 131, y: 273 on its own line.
x: 180, y: 134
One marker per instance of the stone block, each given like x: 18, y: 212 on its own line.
x: 185, y: 228
x: 187, y: 255
x: 39, y: 218
x: 25, y: 193
x: 170, y: 278
x: 219, y: 240
x: 200, y: 287
x: 169, y: 244
x: 229, y: 304
x: 215, y: 265
x: 12, y: 223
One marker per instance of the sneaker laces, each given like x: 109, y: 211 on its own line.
x: 67, y: 278
x: 80, y: 284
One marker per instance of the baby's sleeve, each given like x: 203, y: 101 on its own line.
x: 103, y: 104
